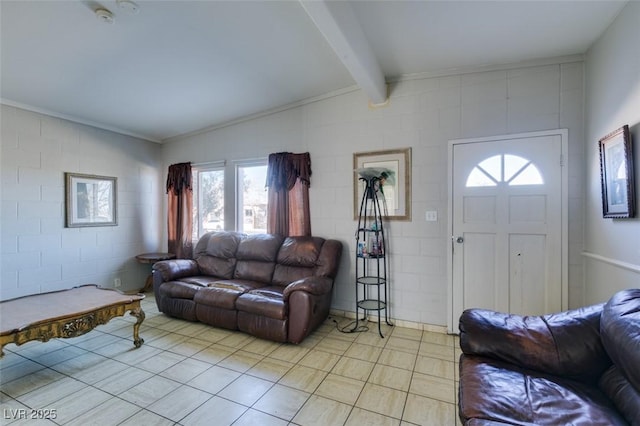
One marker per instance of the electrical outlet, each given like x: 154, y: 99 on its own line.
x: 117, y: 282
x: 431, y: 216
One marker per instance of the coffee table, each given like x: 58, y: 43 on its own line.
x: 66, y: 313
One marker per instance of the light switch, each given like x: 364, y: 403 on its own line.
x: 431, y: 216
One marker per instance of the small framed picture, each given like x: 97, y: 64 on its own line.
x: 616, y: 174
x: 90, y: 200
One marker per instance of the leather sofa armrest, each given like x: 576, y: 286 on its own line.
x: 566, y: 344
x: 314, y: 285
x: 170, y: 270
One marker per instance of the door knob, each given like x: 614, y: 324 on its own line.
x: 459, y: 240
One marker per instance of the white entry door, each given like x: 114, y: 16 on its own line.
x: 508, y: 235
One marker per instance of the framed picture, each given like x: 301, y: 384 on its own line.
x: 396, y: 190
x: 616, y: 174
x: 90, y: 200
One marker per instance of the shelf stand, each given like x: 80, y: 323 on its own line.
x: 371, y: 262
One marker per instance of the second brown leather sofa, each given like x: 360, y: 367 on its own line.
x: 578, y: 367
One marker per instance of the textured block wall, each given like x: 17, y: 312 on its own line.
x: 423, y: 114
x: 38, y: 253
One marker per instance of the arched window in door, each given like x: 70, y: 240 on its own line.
x: 506, y: 169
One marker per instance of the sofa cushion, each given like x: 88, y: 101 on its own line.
x: 326, y: 266
x: 215, y: 253
x: 300, y: 251
x: 620, y: 330
x: 622, y: 393
x: 260, y: 247
x: 284, y: 275
x: 252, y: 270
x: 219, y: 297
x: 566, y: 343
x: 217, y: 267
x: 265, y: 301
x: 256, y: 257
x: 502, y: 392
x: 199, y: 280
x: 218, y: 244
x: 223, y: 293
x: 240, y: 285
x: 297, y: 259
x: 179, y: 290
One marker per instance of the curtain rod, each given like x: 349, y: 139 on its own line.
x: 210, y: 163
x: 250, y: 160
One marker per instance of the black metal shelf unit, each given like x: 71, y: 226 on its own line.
x: 372, y: 285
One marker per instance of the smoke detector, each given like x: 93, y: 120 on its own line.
x: 128, y: 6
x: 104, y: 16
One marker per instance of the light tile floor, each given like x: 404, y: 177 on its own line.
x: 194, y: 374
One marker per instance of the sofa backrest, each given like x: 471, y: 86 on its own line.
x: 620, y: 331
x: 267, y: 258
x: 301, y: 257
x: 215, y: 253
x: 329, y: 259
x: 256, y: 257
x: 564, y: 344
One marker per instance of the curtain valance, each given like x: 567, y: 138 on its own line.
x: 179, y: 178
x: 285, y: 168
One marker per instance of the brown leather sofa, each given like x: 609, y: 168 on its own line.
x: 266, y: 285
x: 579, y: 367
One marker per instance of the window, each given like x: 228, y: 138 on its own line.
x: 252, y: 197
x: 505, y: 168
x: 208, y: 200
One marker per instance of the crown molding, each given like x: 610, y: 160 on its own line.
x: 265, y: 113
x: 77, y: 120
x: 445, y: 72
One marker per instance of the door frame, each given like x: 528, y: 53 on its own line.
x: 452, y: 323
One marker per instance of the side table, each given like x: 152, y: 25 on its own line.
x: 151, y: 258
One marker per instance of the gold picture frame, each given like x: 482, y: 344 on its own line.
x: 397, y: 192
x: 91, y: 200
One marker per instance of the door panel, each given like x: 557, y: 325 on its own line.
x: 479, y: 210
x: 527, y: 209
x: 527, y: 274
x: 507, y: 207
x: 481, y: 270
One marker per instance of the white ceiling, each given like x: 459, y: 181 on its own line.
x: 180, y: 66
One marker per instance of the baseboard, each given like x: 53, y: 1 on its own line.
x: 400, y: 323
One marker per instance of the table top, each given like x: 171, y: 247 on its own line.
x: 154, y: 257
x: 27, y: 310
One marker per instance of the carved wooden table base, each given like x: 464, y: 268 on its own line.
x: 67, y: 313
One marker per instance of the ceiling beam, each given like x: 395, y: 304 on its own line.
x: 339, y: 25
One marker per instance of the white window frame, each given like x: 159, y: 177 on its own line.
x: 196, y: 169
x: 239, y: 212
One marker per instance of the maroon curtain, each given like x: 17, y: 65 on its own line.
x: 180, y: 211
x: 288, y: 179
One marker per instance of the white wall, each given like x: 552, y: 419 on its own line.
x: 423, y: 114
x: 613, y: 99
x: 38, y: 253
